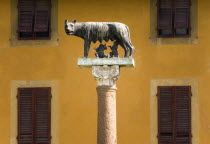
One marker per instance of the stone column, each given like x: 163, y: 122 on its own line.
x: 106, y: 72
x: 106, y: 77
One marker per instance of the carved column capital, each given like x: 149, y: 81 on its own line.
x: 106, y: 75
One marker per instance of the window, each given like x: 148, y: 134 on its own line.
x: 34, y: 115
x: 173, y: 18
x: 34, y: 19
x: 174, y: 114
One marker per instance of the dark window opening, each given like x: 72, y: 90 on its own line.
x: 42, y: 34
x: 166, y: 32
x: 26, y: 34
x: 182, y: 32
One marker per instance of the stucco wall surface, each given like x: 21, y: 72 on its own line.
x: 77, y: 98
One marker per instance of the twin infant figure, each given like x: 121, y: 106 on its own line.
x: 100, y: 51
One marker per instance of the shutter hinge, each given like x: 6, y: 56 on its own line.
x: 16, y: 96
x: 17, y: 137
x: 157, y: 94
x: 190, y: 93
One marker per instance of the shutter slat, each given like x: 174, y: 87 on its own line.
x: 25, y: 116
x: 182, y: 3
x: 25, y: 4
x: 183, y: 114
x: 42, y: 15
x: 25, y: 15
x: 165, y: 14
x: 165, y: 114
x: 43, y: 116
x: 182, y: 14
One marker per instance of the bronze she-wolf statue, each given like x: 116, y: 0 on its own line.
x: 99, y: 31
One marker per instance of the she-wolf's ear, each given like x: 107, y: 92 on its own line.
x: 66, y: 21
x: 74, y: 21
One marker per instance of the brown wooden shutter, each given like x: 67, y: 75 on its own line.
x: 42, y: 15
x: 25, y: 15
x: 34, y: 115
x: 183, y: 114
x: 25, y: 116
x: 165, y: 14
x: 182, y: 14
x: 165, y: 114
x: 43, y: 114
x: 174, y: 114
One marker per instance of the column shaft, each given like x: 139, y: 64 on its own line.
x: 106, y: 115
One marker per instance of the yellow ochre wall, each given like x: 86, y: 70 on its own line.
x: 77, y: 100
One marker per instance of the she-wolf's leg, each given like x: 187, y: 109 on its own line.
x: 86, y: 48
x: 131, y: 48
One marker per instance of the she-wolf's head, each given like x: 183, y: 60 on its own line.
x: 69, y: 27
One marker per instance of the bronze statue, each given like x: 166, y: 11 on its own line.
x: 100, y: 51
x: 99, y: 31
